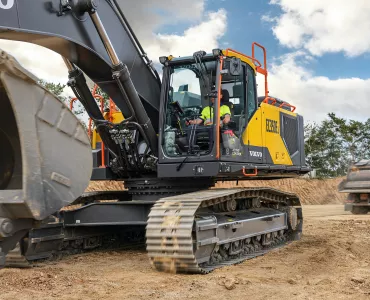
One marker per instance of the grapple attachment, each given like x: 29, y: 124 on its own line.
x: 45, y: 153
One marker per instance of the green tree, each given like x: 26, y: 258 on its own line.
x: 333, y: 144
x: 57, y: 89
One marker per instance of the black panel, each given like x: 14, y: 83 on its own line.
x: 103, y: 174
x: 301, y: 140
x: 289, y: 132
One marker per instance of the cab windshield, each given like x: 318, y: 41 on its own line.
x: 189, y: 92
x: 190, y: 123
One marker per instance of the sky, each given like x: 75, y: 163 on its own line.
x: 318, y: 52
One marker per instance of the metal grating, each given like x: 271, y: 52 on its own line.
x: 290, y: 133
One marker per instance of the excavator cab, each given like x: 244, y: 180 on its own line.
x: 195, y: 97
x: 212, y: 123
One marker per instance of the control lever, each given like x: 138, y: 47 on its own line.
x: 192, y: 117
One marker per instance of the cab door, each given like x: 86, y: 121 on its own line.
x: 252, y: 134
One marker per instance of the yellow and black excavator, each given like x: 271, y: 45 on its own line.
x: 174, y: 139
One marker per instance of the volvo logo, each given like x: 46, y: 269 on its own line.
x: 255, y: 153
x: 8, y: 4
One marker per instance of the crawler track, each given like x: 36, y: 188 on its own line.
x: 190, y: 233
x: 175, y: 237
x: 15, y: 259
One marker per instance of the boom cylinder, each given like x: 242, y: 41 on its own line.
x: 120, y: 72
x: 105, y: 39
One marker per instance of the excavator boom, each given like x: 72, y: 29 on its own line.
x: 72, y: 34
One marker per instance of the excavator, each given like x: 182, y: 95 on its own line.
x: 357, y: 187
x: 161, y: 146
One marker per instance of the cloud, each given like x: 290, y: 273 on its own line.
x: 323, y: 26
x: 44, y: 63
x: 204, y: 36
x: 316, y: 96
x: 311, y: 29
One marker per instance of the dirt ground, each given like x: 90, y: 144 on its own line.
x: 331, y: 261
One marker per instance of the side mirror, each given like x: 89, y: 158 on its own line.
x: 235, y: 67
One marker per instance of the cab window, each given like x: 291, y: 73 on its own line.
x: 251, y: 92
x: 236, y: 87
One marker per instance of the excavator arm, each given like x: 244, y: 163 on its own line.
x: 77, y: 30
x: 70, y: 31
x: 46, y: 157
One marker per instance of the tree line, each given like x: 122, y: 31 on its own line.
x: 332, y: 145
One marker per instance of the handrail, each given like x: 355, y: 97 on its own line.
x: 266, y: 100
x: 71, y: 102
x: 287, y: 104
x: 263, y: 70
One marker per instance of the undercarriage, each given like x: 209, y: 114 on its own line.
x: 189, y: 233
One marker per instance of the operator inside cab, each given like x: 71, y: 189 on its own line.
x: 206, y: 117
x: 205, y: 120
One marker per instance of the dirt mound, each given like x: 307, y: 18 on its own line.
x: 105, y: 186
x: 310, y: 191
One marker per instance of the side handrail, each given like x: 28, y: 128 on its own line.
x: 287, y: 104
x: 266, y: 100
x: 260, y: 70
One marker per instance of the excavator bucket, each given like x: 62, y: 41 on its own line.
x: 45, y: 153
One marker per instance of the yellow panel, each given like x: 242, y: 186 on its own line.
x: 94, y: 139
x: 263, y: 130
x: 273, y: 140
x: 253, y: 134
x: 117, y: 117
x: 231, y: 53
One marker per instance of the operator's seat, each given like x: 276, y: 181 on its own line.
x: 225, y: 100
